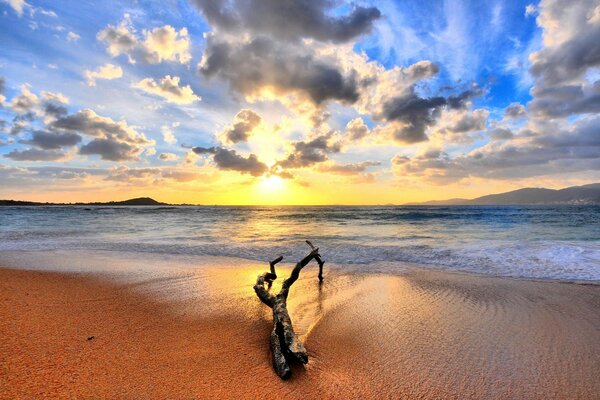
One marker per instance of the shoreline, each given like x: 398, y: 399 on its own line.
x: 54, y: 263
x: 425, y: 334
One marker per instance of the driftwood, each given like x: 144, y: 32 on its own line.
x: 285, y: 345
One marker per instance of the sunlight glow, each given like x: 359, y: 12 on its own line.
x: 272, y: 183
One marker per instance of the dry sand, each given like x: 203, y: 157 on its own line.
x: 422, y: 335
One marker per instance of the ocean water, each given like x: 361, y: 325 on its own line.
x: 554, y: 242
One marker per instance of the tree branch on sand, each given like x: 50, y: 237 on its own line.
x: 285, y: 344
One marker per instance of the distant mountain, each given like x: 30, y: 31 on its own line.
x: 587, y: 194
x: 140, y: 201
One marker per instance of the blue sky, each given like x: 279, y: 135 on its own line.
x: 480, y: 49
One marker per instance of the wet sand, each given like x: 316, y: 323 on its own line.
x: 204, y: 334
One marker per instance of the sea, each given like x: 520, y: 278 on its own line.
x: 538, y: 242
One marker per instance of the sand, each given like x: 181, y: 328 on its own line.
x: 419, y: 335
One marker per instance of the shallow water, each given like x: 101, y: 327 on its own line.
x: 556, y: 242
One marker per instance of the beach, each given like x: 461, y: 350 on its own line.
x: 203, y: 333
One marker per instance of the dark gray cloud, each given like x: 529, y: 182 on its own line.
x: 562, y: 63
x: 469, y: 122
x: 307, y: 153
x: 243, y: 124
x: 571, y: 50
x: 17, y: 127
x: 26, y: 102
x: 263, y: 62
x: 515, y: 111
x: 565, y: 100
x: 226, y: 159
x: 289, y: 20
x: 110, y: 150
x: 53, y: 140
x: 571, y: 149
x: 2, y: 85
x: 89, y: 123
x: 35, y: 155
x: 55, y: 110
x: 417, y: 113
x: 500, y: 133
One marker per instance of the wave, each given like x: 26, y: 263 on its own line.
x: 533, y: 242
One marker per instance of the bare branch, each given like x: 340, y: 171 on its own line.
x: 285, y: 344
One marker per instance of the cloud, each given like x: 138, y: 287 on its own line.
x: 261, y: 63
x: 2, y: 89
x: 168, y: 135
x: 570, y: 50
x: 413, y: 115
x: 111, y: 150
x: 243, y: 124
x: 169, y: 89
x: 113, y: 141
x: 73, y: 37
x: 165, y: 43
x: 119, y: 40
x: 515, y: 111
x: 308, y: 153
x: 36, y: 155
x: 53, y: 140
x: 54, y: 110
x: 107, y: 71
x: 17, y: 127
x: 568, y: 148
x: 500, y: 133
x: 564, y: 100
x: 28, y: 106
x: 356, y: 130
x: 168, y: 157
x: 348, y: 169
x: 18, y: 6
x: 55, y: 97
x: 289, y: 20
x: 530, y: 10
x: 89, y: 123
x: 157, y: 45
x: 127, y: 174
x: 570, y: 41
x: 468, y: 121
x: 460, y: 126
x: 226, y: 159
x: 24, y: 102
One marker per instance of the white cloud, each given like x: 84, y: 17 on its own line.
x: 18, y: 6
x: 530, y: 10
x: 73, y: 37
x: 169, y: 89
x: 168, y: 157
x: 107, y: 71
x: 168, y: 135
x: 26, y: 101
x: 157, y: 45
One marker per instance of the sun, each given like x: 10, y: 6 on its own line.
x: 272, y: 183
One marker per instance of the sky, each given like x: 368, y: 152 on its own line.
x: 296, y: 102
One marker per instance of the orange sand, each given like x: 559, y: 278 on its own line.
x: 421, y: 335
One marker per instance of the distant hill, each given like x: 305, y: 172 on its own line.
x: 587, y: 194
x: 140, y: 201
